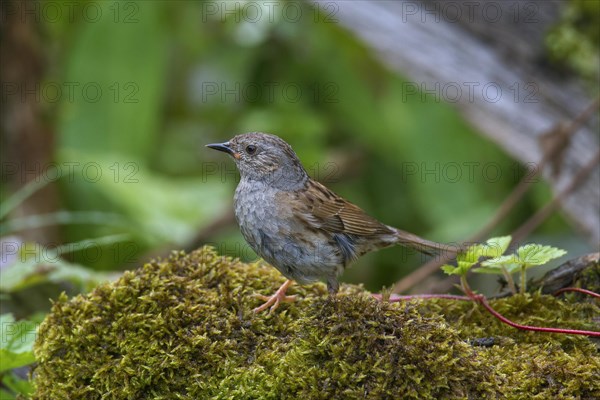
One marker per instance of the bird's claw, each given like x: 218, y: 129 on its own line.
x: 276, y: 299
x: 273, y: 301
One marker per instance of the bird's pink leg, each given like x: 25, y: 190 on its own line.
x: 278, y: 297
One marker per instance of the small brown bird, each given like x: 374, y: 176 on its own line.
x: 298, y: 225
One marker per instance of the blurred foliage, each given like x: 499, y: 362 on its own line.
x: 574, y: 43
x: 155, y: 81
x: 17, y: 342
x: 30, y: 274
x: 16, y: 350
x: 133, y: 90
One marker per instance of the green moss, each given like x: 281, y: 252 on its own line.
x: 590, y: 278
x: 183, y: 328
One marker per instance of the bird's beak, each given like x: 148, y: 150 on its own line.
x: 224, y: 147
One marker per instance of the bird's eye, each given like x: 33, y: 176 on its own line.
x: 251, y: 149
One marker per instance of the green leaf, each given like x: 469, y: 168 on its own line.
x: 4, y: 395
x: 64, y: 218
x: 536, y: 254
x: 150, y: 201
x: 530, y: 255
x: 491, y: 267
x: 461, y: 269
x: 117, y: 101
x: 492, y: 248
x: 451, y: 269
x: 16, y: 385
x: 16, y: 344
x: 21, y: 195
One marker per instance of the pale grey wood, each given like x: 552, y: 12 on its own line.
x: 495, y: 43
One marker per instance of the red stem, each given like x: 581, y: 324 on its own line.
x: 483, y: 301
x: 574, y: 289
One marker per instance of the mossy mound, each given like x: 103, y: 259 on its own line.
x: 183, y: 328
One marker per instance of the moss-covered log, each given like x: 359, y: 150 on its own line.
x: 184, y: 328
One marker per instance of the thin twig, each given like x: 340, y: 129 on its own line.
x: 509, y: 203
x: 483, y: 301
x: 540, y: 216
x: 509, y: 280
x: 580, y: 290
x: 394, y: 298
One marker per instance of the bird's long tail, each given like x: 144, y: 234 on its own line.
x: 425, y: 246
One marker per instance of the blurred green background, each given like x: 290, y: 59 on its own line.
x: 130, y: 92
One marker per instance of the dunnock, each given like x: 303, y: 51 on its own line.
x: 298, y: 225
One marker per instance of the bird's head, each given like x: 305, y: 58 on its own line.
x: 266, y: 158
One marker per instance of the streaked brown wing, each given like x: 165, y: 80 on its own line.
x: 333, y: 213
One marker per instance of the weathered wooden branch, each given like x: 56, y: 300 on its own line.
x: 488, y: 58
x: 567, y: 274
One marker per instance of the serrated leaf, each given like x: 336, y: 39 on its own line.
x: 527, y: 256
x: 461, y: 269
x: 450, y: 269
x: 16, y: 342
x: 498, y: 245
x: 491, y: 248
x: 535, y: 254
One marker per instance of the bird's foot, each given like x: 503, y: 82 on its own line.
x: 274, y: 300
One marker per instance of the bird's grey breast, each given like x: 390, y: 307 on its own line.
x: 256, y: 214
x: 276, y: 227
